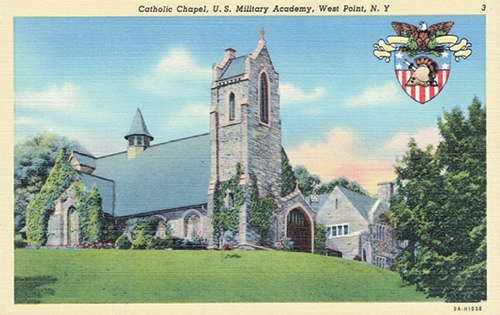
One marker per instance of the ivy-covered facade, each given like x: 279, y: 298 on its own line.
x: 68, y: 210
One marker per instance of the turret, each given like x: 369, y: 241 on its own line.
x: 138, y: 136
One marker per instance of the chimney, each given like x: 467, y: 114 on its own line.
x: 385, y: 191
x: 227, y: 56
x: 230, y: 53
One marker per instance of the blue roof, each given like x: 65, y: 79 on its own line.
x: 362, y: 203
x: 85, y: 159
x: 105, y: 188
x: 138, y: 126
x: 165, y: 176
x: 235, y: 68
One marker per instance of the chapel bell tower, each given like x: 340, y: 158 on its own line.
x: 245, y: 127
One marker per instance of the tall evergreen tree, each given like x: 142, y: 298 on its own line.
x: 441, y: 210
x: 287, y: 175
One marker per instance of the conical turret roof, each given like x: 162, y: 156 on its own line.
x: 138, y: 126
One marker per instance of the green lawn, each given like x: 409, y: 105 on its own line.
x: 127, y: 276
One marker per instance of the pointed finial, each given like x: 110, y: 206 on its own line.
x: 261, y: 31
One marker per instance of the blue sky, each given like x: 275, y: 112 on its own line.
x: 343, y: 112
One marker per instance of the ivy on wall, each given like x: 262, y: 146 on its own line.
x: 91, y: 217
x: 261, y: 216
x: 225, y: 216
x: 93, y: 225
x: 40, y: 208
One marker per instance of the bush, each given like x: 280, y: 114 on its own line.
x: 176, y: 242
x: 123, y: 242
x: 140, y: 242
x: 285, y: 244
x: 319, y: 239
x: 161, y: 243
x: 19, y: 242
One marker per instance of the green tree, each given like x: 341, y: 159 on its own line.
x: 343, y: 182
x: 440, y: 209
x: 307, y: 181
x: 34, y: 158
x: 287, y: 175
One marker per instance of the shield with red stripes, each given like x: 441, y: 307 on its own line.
x: 422, y: 84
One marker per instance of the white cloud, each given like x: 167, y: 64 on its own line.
x: 53, y: 99
x: 377, y: 95
x: 24, y: 121
x: 289, y: 93
x: 423, y: 138
x: 177, y: 74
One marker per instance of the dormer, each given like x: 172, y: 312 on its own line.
x: 82, y: 162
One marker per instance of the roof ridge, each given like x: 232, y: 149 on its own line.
x: 158, y: 144
x: 88, y: 155
x: 175, y: 140
x: 357, y: 193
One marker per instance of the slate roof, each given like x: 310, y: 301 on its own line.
x: 105, y: 188
x: 138, y: 126
x: 84, y: 159
x: 362, y: 203
x: 235, y: 68
x: 165, y: 176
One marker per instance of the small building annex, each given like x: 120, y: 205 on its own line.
x: 175, y: 182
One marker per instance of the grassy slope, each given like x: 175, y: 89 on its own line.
x: 113, y: 276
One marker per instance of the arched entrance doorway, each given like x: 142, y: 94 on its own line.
x: 299, y: 229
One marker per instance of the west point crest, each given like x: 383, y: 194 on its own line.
x: 422, y: 57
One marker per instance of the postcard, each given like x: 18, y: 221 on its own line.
x: 299, y: 158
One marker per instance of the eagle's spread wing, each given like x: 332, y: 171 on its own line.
x: 400, y: 27
x: 444, y: 26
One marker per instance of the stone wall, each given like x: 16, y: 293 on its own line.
x: 174, y: 218
x: 58, y: 221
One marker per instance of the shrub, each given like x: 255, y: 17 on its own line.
x: 161, y: 243
x: 196, y: 243
x: 285, y: 244
x: 140, y: 242
x: 123, y: 242
x: 19, y: 242
x: 319, y: 239
x: 176, y: 242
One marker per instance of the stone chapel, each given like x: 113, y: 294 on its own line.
x: 174, y: 182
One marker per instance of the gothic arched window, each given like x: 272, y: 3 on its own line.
x: 232, y: 107
x: 264, y: 99
x: 192, y: 226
